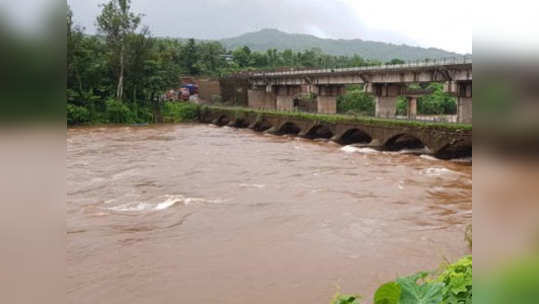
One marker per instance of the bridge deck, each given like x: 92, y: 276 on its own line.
x: 444, y: 62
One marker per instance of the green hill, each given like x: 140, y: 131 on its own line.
x: 271, y: 38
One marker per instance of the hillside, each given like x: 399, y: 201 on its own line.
x: 271, y: 38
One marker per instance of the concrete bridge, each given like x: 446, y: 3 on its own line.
x: 441, y: 140
x: 280, y: 90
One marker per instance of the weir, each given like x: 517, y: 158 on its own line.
x: 442, y: 140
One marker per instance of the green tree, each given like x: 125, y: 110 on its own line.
x: 190, y: 57
x: 436, y: 103
x: 242, y: 56
x: 116, y: 21
x: 395, y: 61
x: 356, y: 102
x: 140, y: 49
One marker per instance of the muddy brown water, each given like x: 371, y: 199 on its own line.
x: 201, y: 214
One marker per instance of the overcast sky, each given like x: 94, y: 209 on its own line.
x: 426, y: 23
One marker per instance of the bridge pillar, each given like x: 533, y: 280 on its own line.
x: 386, y: 98
x: 260, y: 98
x: 326, y: 102
x: 412, y: 107
x: 285, y: 97
x: 464, y: 102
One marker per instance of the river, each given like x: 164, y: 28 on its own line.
x: 194, y: 213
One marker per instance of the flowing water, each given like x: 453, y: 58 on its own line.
x: 201, y: 214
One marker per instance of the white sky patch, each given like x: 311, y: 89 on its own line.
x: 508, y: 26
x: 440, y: 24
x: 425, y: 23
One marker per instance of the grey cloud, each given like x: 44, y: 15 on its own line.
x: 214, y: 19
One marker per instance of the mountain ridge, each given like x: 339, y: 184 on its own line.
x: 265, y: 39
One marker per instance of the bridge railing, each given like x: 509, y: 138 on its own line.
x: 411, y: 64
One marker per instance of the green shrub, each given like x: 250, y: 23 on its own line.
x: 436, y: 103
x: 180, y: 112
x: 117, y: 112
x: 452, y: 286
x: 402, y: 106
x: 144, y: 114
x: 356, y: 102
x: 77, y: 115
x: 345, y: 299
x: 457, y: 280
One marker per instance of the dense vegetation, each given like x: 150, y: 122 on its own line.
x: 356, y: 102
x: 436, y: 103
x: 378, y: 51
x: 451, y: 285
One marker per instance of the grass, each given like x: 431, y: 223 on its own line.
x: 340, y: 118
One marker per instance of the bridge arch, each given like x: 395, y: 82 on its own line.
x: 354, y: 136
x: 404, y: 141
x: 240, y: 123
x: 458, y: 150
x: 289, y: 128
x: 222, y: 120
x: 262, y: 125
x: 319, y: 131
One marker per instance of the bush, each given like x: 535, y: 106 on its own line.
x: 402, y: 106
x: 436, y: 103
x: 180, y: 112
x: 144, y: 114
x: 118, y: 112
x: 452, y: 286
x: 457, y: 280
x: 77, y: 115
x: 356, y: 102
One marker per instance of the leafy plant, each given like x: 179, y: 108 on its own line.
x: 388, y: 293
x: 345, y: 299
x: 413, y: 292
x: 457, y: 280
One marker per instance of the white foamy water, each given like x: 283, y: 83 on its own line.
x: 259, y: 186
x: 355, y: 149
x: 438, y: 171
x: 131, y: 207
x: 428, y: 157
x: 170, y: 200
x: 175, y: 199
x: 414, y: 151
x: 321, y: 140
x: 465, y: 160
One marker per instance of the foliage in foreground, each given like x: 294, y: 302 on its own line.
x: 452, y: 286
